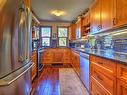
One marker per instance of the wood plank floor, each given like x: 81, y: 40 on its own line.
x: 48, y: 82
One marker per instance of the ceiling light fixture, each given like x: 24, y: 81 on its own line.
x: 58, y: 12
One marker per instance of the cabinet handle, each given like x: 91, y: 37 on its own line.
x: 100, y: 63
x: 8, y: 80
x: 114, y: 21
x: 99, y: 78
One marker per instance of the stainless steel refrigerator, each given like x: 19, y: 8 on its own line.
x: 15, y: 48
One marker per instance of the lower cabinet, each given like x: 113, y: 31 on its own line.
x: 34, y: 61
x: 121, y: 87
x: 76, y: 61
x: 56, y: 56
x: 121, y: 79
x: 107, y: 77
x: 97, y: 89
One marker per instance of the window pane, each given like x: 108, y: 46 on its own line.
x: 45, y: 41
x: 45, y: 31
x: 62, y: 42
x: 62, y: 32
x: 78, y: 33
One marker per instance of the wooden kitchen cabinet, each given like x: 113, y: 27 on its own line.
x: 76, y: 62
x: 101, y: 15
x: 56, y: 56
x: 103, y: 72
x: 121, y: 87
x: 106, y: 14
x: 47, y: 57
x: 121, y: 79
x: 66, y: 56
x: 34, y: 61
x: 97, y: 89
x: 86, y: 25
x: 95, y: 17
x: 107, y: 77
x: 122, y: 72
x: 72, y: 33
x: 120, y: 14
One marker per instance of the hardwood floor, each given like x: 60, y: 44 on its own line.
x: 49, y: 82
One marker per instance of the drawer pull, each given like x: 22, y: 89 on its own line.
x: 99, y: 78
x: 100, y: 63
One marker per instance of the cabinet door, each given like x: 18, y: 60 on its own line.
x: 122, y: 72
x: 107, y: 14
x: 121, y: 87
x: 121, y: 14
x: 92, y: 20
x: 95, y: 16
x: 72, y: 33
x: 58, y: 56
x: 76, y: 62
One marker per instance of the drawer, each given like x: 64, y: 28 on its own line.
x: 96, y: 88
x: 108, y: 83
x: 122, y: 72
x: 104, y: 64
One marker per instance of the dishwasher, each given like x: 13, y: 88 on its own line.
x: 85, y: 69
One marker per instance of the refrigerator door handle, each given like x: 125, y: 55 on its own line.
x: 15, y: 75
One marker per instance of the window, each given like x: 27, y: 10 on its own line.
x: 78, y: 33
x: 46, y: 36
x: 62, y: 36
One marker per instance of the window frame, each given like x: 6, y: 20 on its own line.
x: 45, y: 36
x: 62, y: 37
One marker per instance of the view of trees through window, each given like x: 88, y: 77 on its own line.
x: 46, y: 36
x: 62, y: 36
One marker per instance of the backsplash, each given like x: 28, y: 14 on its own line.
x: 116, y: 41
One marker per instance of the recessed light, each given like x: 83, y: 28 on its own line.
x: 57, y: 12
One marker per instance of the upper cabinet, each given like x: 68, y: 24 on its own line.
x: 72, y: 33
x: 79, y: 28
x: 85, y: 25
x: 95, y: 16
x: 107, y: 14
x: 120, y: 14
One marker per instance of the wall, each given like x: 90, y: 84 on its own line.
x: 54, y: 25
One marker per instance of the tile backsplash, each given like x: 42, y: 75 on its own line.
x: 116, y: 41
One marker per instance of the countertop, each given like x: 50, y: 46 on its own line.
x: 108, y: 54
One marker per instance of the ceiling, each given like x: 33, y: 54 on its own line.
x: 72, y: 8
